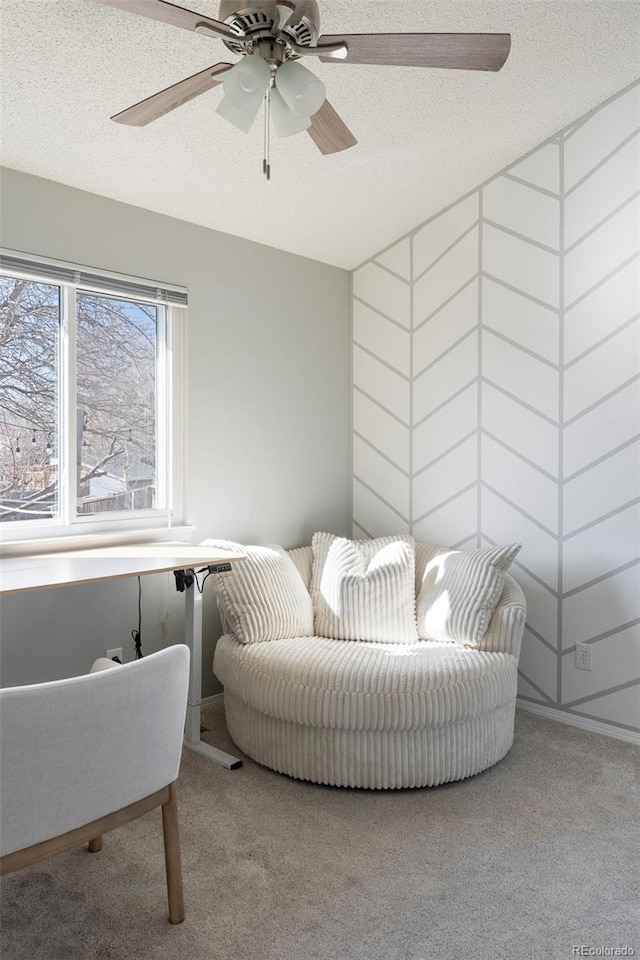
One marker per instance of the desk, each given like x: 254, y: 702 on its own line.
x: 69, y: 567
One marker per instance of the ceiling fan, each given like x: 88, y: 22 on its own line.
x: 271, y: 36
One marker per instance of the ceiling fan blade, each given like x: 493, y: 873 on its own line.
x: 450, y: 51
x: 329, y: 133
x: 172, y: 14
x: 171, y: 97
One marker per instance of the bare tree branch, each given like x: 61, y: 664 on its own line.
x: 116, y: 386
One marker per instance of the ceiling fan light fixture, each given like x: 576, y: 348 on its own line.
x: 285, y: 123
x: 302, y: 92
x: 240, y: 117
x: 246, y: 84
x: 264, y: 33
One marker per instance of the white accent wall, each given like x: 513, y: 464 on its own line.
x: 496, y: 397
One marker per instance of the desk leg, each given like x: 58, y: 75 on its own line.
x: 193, y: 639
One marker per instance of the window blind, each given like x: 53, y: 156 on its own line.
x: 59, y: 271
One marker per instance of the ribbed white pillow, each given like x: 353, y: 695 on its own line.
x: 459, y: 591
x: 303, y: 561
x: 364, y: 589
x: 263, y: 597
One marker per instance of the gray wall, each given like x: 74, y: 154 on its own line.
x: 268, y: 408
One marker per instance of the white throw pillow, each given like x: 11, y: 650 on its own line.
x: 303, y: 561
x: 364, y: 589
x: 460, y: 590
x: 263, y: 597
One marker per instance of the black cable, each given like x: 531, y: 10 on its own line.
x: 136, y: 633
x: 200, y: 586
x: 185, y: 578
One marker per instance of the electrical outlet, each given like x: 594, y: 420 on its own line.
x: 112, y: 654
x: 583, y: 656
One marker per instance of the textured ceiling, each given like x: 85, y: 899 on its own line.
x: 425, y: 136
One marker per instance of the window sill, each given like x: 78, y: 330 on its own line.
x: 22, y: 548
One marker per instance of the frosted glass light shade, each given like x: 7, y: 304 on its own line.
x: 302, y: 92
x: 246, y: 83
x: 285, y: 123
x: 242, y: 119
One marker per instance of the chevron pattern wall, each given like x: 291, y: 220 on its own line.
x: 496, y: 397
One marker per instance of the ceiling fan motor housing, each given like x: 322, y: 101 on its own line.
x: 256, y: 17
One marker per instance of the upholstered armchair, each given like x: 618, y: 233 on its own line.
x: 81, y: 756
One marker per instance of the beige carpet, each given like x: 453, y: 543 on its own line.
x: 536, y: 855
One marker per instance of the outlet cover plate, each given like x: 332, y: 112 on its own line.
x: 583, y: 656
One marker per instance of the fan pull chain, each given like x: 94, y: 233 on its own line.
x: 266, y: 162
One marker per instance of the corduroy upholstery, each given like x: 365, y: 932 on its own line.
x: 375, y: 715
x: 459, y: 592
x: 364, y: 590
x: 352, y: 685
x: 263, y: 598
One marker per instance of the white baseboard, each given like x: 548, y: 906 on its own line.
x: 215, y: 698
x: 584, y: 723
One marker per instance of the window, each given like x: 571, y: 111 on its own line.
x: 89, y: 374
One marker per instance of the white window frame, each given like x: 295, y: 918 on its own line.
x: 68, y: 528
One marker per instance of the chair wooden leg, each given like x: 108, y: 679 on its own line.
x: 95, y: 845
x: 172, y: 857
